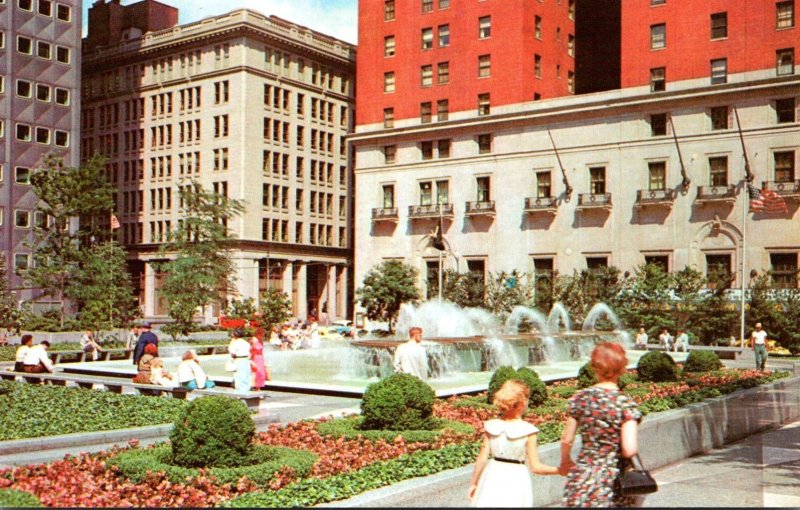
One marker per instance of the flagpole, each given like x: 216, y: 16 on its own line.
x: 744, y: 256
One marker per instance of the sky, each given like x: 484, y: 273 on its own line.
x: 337, y: 18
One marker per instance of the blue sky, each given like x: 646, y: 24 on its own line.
x: 337, y: 18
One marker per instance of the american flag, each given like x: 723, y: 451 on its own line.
x: 767, y: 201
x: 114, y: 222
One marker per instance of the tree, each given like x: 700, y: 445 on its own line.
x: 202, y: 266
x: 505, y: 290
x: 648, y: 299
x: 387, y: 286
x: 274, y: 309
x: 10, y: 314
x: 66, y: 193
x: 464, y: 289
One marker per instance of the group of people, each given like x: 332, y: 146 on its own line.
x: 295, y: 334
x: 247, y: 362
x: 665, y: 340
x: 150, y: 367
x: 32, y: 359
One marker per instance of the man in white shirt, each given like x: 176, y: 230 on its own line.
x: 758, y: 342
x: 665, y: 340
x: 682, y: 341
x: 641, y: 339
x: 36, y: 360
x: 410, y: 357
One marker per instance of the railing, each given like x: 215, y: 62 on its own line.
x: 430, y: 211
x: 716, y: 193
x: 482, y: 207
x: 534, y: 204
x: 782, y: 188
x: 655, y: 197
x: 590, y: 200
x: 384, y: 214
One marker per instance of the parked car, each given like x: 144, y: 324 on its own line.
x: 343, y: 327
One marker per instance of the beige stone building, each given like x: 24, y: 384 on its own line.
x: 253, y: 107
x: 654, y: 177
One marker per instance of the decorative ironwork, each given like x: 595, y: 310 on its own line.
x: 384, y: 214
x: 541, y: 204
x: 485, y: 208
x: 594, y: 200
x: 655, y: 197
x: 786, y: 189
x: 716, y: 193
x: 430, y: 211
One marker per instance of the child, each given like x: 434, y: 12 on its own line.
x: 501, y: 476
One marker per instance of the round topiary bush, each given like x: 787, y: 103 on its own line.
x: 587, y: 377
x: 702, y: 361
x: 526, y: 375
x: 657, y: 366
x: 13, y: 498
x: 212, y: 431
x: 398, y: 402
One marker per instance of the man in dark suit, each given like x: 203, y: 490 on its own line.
x: 146, y: 337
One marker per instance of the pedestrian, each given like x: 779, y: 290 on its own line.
x: 758, y: 343
x: 608, y: 421
x: 682, y: 341
x: 146, y: 337
x: 502, y: 473
x: 239, y: 349
x: 258, y: 364
x: 36, y: 360
x: 641, y: 339
x: 25, y: 344
x: 665, y: 340
x: 132, y: 337
x: 410, y: 357
x: 190, y: 374
x: 89, y: 345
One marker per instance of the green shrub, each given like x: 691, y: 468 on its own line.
x: 702, y: 361
x: 526, y: 375
x: 398, y: 402
x: 212, y: 431
x: 657, y: 366
x: 587, y: 377
x: 13, y: 498
x: 351, y: 428
x: 259, y: 465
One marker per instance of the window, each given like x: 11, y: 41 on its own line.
x: 484, y: 27
x: 784, y: 270
x: 427, y: 38
x: 24, y: 45
x: 784, y: 12
x: 63, y: 12
x: 442, y: 192
x: 537, y: 26
x: 484, y: 143
x: 784, y: 61
x: 719, y: 117
x: 389, y: 154
x: 62, y: 54
x: 719, y: 71
x: 483, y: 186
x: 718, y: 170
x: 658, y: 2
x: 425, y: 194
x: 221, y: 92
x: 22, y: 219
x: 784, y: 108
x: 23, y: 132
x: 388, y: 82
x: 657, y: 175
x: 658, y: 124
x: 543, y: 269
x: 427, y: 5
x: 570, y: 82
x: 444, y: 4
x: 597, y: 176
x: 484, y: 66
x: 425, y: 112
x: 22, y: 175
x: 443, y: 73
x: 2, y: 39
x: 43, y: 92
x: 43, y: 49
x: 571, y: 9
x: 388, y: 196
x: 543, y: 185
x: 719, y: 25
x: 718, y: 270
x: 24, y: 88
x: 658, y: 36
x: 661, y: 261
x: 426, y: 76
x: 62, y: 138
x: 388, y: 117
x: 537, y: 66
x: 388, y: 10
x: 443, y: 146
x: 571, y: 45
x: 42, y: 135
x: 442, y: 110
x: 25, y: 5
x: 595, y: 264
x: 21, y: 261
x: 484, y: 107
x: 388, y: 46
x: 444, y: 35
x: 45, y: 8
x: 784, y: 166
x: 62, y: 96
x: 426, y: 150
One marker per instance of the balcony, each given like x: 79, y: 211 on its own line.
x: 433, y: 211
x: 655, y: 197
x: 716, y: 194
x: 547, y: 205
x: 483, y: 208
x: 786, y: 189
x: 384, y: 214
x: 587, y: 201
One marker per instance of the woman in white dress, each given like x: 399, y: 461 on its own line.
x: 502, y: 474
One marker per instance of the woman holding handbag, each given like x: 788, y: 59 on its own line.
x: 608, y: 421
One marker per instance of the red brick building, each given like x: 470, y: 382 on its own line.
x: 427, y: 59
x: 112, y: 22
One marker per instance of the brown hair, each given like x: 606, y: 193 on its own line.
x: 414, y: 329
x: 512, y: 395
x: 608, y: 361
x: 151, y: 349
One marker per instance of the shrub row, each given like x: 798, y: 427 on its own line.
x: 350, y: 428
x: 13, y: 498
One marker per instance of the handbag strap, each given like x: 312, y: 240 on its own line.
x: 636, y: 462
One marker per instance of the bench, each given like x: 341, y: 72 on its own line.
x: 724, y: 352
x: 251, y: 398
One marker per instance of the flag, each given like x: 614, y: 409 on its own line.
x: 766, y: 200
x: 114, y: 222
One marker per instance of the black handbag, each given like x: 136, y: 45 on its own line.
x: 634, y: 479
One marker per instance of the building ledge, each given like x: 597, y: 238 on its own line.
x: 547, y: 205
x: 655, y: 197
x: 483, y: 208
x: 716, y: 194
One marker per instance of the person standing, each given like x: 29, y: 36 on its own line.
x: 36, y: 360
x: 131, y: 338
x: 410, y: 357
x: 25, y: 344
x: 758, y: 343
x: 682, y: 341
x: 641, y: 339
x: 501, y: 477
x: 146, y: 337
x: 257, y: 363
x: 239, y: 349
x: 665, y: 340
x: 609, y: 422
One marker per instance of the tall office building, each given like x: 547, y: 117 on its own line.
x: 253, y: 107
x: 39, y: 114
x: 649, y: 167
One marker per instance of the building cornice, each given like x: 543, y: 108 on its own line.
x: 289, y: 251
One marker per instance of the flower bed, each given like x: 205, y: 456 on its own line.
x: 346, y: 465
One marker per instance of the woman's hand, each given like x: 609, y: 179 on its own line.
x: 565, y: 468
x: 471, y: 492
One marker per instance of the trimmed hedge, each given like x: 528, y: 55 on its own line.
x: 259, y: 465
x: 349, y: 428
x: 702, y: 361
x: 528, y: 376
x: 657, y: 366
x: 587, y: 377
x: 13, y: 498
x: 398, y: 402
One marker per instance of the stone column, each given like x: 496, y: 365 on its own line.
x: 246, y: 277
x: 342, y: 305
x: 287, y: 278
x: 149, y: 290
x: 330, y: 293
x: 301, y: 305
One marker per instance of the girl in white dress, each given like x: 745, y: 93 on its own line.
x: 502, y: 474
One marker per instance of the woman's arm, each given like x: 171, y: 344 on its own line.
x: 629, y: 438
x: 567, y: 439
x: 533, y: 459
x: 480, y: 463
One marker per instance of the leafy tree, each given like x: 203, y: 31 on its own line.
x: 648, y: 299
x: 580, y: 291
x: 241, y: 309
x: 463, y: 289
x: 10, y: 314
x: 788, y: 301
x: 274, y: 309
x: 505, y: 290
x: 387, y: 286
x: 201, y: 266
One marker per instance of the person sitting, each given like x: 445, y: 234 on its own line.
x: 160, y: 376
x: 641, y: 339
x: 25, y: 345
x: 89, y: 346
x: 150, y: 353
x: 36, y: 360
x: 274, y: 337
x: 682, y: 341
x: 665, y: 340
x: 190, y: 375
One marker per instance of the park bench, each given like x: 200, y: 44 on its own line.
x: 724, y: 352
x: 251, y: 398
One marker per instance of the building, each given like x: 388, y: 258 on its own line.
x: 39, y: 114
x: 253, y: 107
x: 653, y: 171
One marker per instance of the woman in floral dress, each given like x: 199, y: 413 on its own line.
x: 608, y: 422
